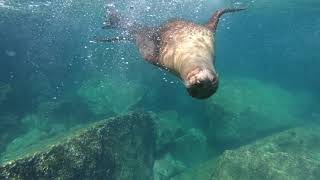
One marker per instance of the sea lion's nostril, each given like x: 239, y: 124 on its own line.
x: 200, y: 85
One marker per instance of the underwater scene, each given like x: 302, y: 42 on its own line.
x: 160, y: 89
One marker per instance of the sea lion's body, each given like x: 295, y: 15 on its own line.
x: 184, y: 48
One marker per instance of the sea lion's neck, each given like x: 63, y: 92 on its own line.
x: 185, y: 46
x: 198, y: 53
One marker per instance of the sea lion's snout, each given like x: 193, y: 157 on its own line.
x: 203, y: 84
x: 203, y: 89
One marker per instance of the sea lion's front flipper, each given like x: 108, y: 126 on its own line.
x: 214, y: 20
x: 146, y: 41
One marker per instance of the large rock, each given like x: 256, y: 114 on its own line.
x: 290, y: 155
x: 119, y: 148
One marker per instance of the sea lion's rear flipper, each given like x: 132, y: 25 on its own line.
x: 214, y: 20
x: 144, y: 37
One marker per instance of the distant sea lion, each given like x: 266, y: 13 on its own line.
x: 184, y: 48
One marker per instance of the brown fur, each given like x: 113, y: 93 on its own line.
x: 185, y: 45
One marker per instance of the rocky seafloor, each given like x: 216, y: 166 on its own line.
x: 132, y: 147
x: 56, y: 85
x: 249, y: 130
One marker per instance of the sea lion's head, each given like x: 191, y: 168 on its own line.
x: 201, y: 83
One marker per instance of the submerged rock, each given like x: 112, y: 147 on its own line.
x: 292, y: 154
x: 120, y: 148
x: 111, y: 96
x: 289, y: 155
x: 247, y: 109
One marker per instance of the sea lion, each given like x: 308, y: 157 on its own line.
x: 184, y: 48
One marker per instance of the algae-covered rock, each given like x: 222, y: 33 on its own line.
x: 110, y: 96
x: 119, y: 148
x: 246, y: 109
x: 290, y: 155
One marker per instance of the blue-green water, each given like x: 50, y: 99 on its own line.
x: 54, y: 78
